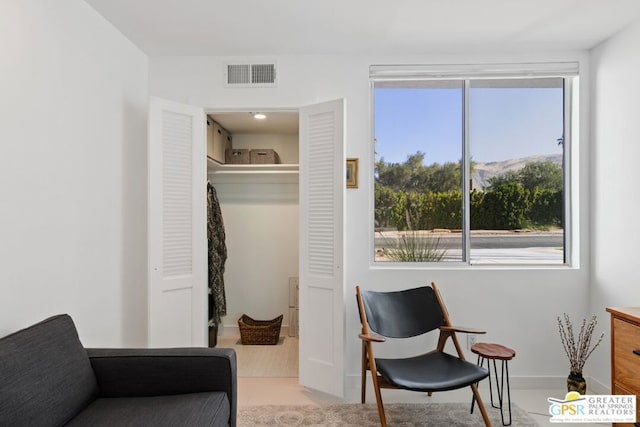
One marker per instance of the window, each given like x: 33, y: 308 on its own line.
x: 471, y: 165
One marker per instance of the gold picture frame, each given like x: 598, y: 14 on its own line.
x: 352, y: 173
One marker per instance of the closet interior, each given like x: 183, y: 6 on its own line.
x: 252, y: 163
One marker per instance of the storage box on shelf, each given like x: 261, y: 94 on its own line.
x: 265, y: 156
x: 238, y: 156
x: 218, y: 141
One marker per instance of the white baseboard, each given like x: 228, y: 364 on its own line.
x: 596, y: 387
x: 352, y: 384
x: 229, y: 331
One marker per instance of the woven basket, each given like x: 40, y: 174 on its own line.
x: 259, y: 332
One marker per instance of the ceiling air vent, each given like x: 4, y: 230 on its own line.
x: 250, y: 75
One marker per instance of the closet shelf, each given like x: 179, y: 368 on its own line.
x: 280, y: 173
x: 254, y: 169
x: 214, y: 167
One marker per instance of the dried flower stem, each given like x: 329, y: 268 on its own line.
x: 579, y: 352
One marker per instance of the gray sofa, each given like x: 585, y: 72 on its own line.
x: 47, y: 378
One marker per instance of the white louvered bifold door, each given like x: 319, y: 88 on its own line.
x: 322, y: 187
x: 177, y: 275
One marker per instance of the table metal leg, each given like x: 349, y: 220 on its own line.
x: 499, y: 387
x: 479, y: 362
x: 505, y: 373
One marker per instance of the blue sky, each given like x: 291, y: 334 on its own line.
x: 504, y: 123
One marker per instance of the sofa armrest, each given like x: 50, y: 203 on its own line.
x: 164, y: 371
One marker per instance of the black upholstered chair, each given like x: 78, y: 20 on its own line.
x: 406, y: 314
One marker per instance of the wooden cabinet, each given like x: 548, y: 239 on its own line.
x: 218, y: 140
x: 625, y: 353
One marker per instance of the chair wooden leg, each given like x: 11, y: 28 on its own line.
x: 383, y: 417
x: 363, y: 385
x: 483, y: 411
x: 376, y: 389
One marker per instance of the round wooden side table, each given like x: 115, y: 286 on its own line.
x: 488, y: 351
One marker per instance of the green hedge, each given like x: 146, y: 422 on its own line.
x: 508, y: 206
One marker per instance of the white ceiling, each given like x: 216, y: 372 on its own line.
x: 271, y: 27
x: 259, y: 27
x: 277, y: 122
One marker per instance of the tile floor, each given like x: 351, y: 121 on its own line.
x: 287, y: 391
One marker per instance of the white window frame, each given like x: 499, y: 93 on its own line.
x: 568, y: 71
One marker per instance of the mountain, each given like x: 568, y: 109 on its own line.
x: 483, y: 171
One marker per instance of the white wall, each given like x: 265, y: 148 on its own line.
x: 615, y: 276
x: 261, y: 227
x: 73, y: 172
x: 517, y: 306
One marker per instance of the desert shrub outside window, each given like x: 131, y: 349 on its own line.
x: 472, y: 163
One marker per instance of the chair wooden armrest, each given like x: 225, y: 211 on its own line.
x: 461, y: 329
x: 371, y: 338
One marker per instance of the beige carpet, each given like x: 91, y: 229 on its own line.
x: 356, y: 415
x: 280, y: 360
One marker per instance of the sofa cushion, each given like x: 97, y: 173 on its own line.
x: 46, y: 376
x: 193, y: 410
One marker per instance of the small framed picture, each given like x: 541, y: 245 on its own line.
x: 352, y: 173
